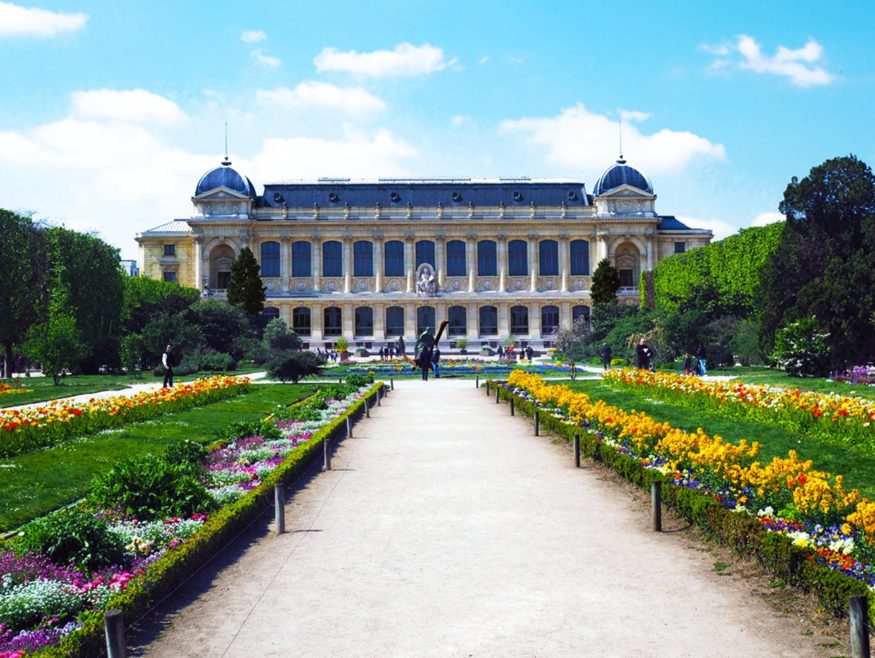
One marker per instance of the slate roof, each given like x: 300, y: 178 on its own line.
x: 176, y: 227
x: 621, y: 174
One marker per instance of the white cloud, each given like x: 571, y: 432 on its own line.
x: 134, y: 105
x: 265, y: 60
x: 460, y: 120
x: 582, y: 139
x: 352, y: 100
x: 406, y: 60
x: 767, y: 218
x: 799, y: 65
x: 719, y: 227
x: 253, y: 36
x: 720, y: 49
x: 483, y: 60
x: 18, y: 21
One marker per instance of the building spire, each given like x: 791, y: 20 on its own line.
x: 226, y: 162
x: 621, y: 160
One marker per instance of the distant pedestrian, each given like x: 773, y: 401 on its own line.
x: 529, y: 353
x: 436, y: 361
x: 702, y: 355
x: 643, y: 356
x: 168, y: 361
x: 500, y: 352
x: 606, y: 353
x: 690, y: 364
x: 425, y: 362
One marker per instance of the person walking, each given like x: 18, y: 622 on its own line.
x: 425, y: 361
x: 702, y: 355
x: 168, y: 361
x: 436, y: 361
x: 606, y: 353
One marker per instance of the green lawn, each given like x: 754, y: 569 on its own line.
x: 774, y: 377
x: 42, y: 388
x: 39, y: 482
x: 857, y: 467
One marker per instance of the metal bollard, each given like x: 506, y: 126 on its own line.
x: 380, y: 396
x: 326, y: 454
x: 496, y: 393
x: 656, y: 504
x: 537, y: 424
x: 511, y: 407
x: 340, y: 380
x: 577, y: 451
x: 858, y: 616
x: 368, y: 408
x: 279, y: 511
x: 392, y: 383
x: 348, y: 427
x: 114, y: 627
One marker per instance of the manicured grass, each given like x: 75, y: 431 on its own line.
x: 774, y: 377
x: 39, y: 482
x: 41, y: 389
x: 857, y: 467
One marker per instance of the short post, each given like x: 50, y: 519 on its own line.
x: 368, y: 408
x: 511, y: 406
x: 340, y: 380
x: 858, y: 616
x: 497, y: 388
x: 656, y: 504
x: 279, y: 511
x: 326, y: 454
x: 537, y: 424
x: 392, y: 383
x: 348, y: 427
x: 379, y: 396
x: 114, y: 626
x: 477, y: 381
x: 577, y: 450
x: 487, y: 388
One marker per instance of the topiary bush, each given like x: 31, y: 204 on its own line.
x: 293, y: 366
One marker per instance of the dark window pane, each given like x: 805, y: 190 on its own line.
x: 488, y: 321
x: 424, y: 252
x: 332, y: 259
x: 519, y: 320
x: 301, y: 321
x: 458, y: 319
x: 301, y: 259
x: 456, y: 258
x: 548, y: 256
x: 680, y: 247
x: 363, y: 258
x: 364, y: 321
x: 486, y: 261
x: 549, y: 320
x: 517, y: 263
x: 425, y: 319
x: 579, y: 258
x: 395, y: 320
x: 270, y: 259
x: 394, y: 260
x: 332, y: 321
x: 626, y: 278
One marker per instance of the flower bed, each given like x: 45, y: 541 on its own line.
x: 723, y: 488
x: 832, y: 417
x: 457, y: 367
x: 6, y: 388
x: 58, y: 610
x: 858, y: 376
x: 38, y: 426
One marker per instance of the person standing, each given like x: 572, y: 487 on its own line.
x: 643, y: 354
x: 425, y: 361
x: 607, y: 353
x: 702, y: 355
x: 436, y: 361
x: 168, y: 361
x: 530, y: 353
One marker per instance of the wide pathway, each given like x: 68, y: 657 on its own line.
x: 447, y: 529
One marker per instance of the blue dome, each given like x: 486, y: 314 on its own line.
x: 621, y: 174
x: 227, y: 177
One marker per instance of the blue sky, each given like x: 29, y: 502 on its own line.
x: 112, y: 111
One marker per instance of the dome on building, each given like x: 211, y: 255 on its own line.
x: 225, y: 176
x: 621, y: 174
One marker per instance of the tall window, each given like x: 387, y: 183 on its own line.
x: 517, y: 263
x: 425, y: 252
x: 486, y: 260
x: 549, y: 320
x: 169, y: 249
x: 488, y: 321
x: 458, y: 319
x: 425, y: 319
x: 270, y: 259
x: 301, y: 258
x: 363, y: 258
x: 395, y: 321
x: 301, y: 320
x: 519, y: 320
x: 332, y: 258
x: 455, y: 258
x: 680, y: 247
x: 578, y: 312
x: 548, y: 258
x: 364, y: 321
x: 170, y: 276
x: 579, y: 257
x: 332, y: 321
x: 393, y: 263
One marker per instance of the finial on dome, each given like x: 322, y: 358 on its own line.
x: 226, y: 162
x: 620, y: 160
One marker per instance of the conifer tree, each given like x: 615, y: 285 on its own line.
x: 244, y: 288
x: 605, y: 283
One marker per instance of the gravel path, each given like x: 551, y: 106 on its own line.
x: 447, y: 529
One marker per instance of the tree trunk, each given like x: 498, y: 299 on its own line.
x: 7, y: 361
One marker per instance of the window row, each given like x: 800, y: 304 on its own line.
x: 457, y: 317
x: 456, y: 258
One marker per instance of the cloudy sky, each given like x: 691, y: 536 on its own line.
x: 112, y: 111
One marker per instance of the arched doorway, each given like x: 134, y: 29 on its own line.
x: 221, y: 259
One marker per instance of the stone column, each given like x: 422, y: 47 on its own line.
x: 380, y: 323
x: 316, y: 261
x: 533, y: 263
x: 409, y: 262
x: 501, y: 255
x: 285, y: 263
x: 564, y: 316
x: 316, y: 323
x: 471, y: 260
x: 378, y: 263
x: 440, y: 260
x: 534, y: 321
x: 473, y: 321
x: 601, y: 241
x: 348, y: 323
x: 198, y: 262
x: 410, y: 324
x: 347, y: 265
x: 564, y: 252
x: 503, y: 320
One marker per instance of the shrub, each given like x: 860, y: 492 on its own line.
x: 151, y: 488
x: 73, y: 536
x: 186, y: 452
x: 278, y: 337
x: 801, y: 349
x: 357, y: 381
x: 217, y: 361
x: 263, y: 428
x: 293, y: 366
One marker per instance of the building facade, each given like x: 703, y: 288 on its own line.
x: 375, y: 260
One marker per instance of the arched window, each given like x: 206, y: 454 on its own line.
x: 332, y: 324
x: 456, y: 258
x: 517, y: 263
x: 519, y: 320
x: 269, y: 313
x: 363, y: 258
x: 626, y: 260
x: 221, y: 259
x: 488, y: 321
x: 332, y: 258
x: 425, y: 319
x: 548, y: 258
x: 364, y: 321
x: 301, y: 258
x: 301, y: 320
x: 394, y: 260
x: 579, y: 258
x: 458, y: 319
x: 486, y: 260
x: 578, y: 312
x: 425, y: 252
x: 395, y: 320
x: 549, y: 320
x: 270, y: 259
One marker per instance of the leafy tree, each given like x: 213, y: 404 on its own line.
x: 166, y: 329
x: 22, y: 280
x: 144, y: 298
x: 605, y: 283
x: 221, y: 324
x: 573, y: 342
x: 278, y: 336
x: 294, y: 365
x: 244, y: 288
x: 801, y: 349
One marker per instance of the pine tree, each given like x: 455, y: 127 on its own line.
x: 605, y: 283
x: 244, y: 288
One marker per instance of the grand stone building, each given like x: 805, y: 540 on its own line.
x: 374, y: 260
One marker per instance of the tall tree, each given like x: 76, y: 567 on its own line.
x: 605, y: 283
x: 22, y: 279
x: 244, y: 288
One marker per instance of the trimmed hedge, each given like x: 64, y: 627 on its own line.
x: 173, y: 568
x: 744, y: 534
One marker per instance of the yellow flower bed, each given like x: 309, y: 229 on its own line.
x: 10, y: 388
